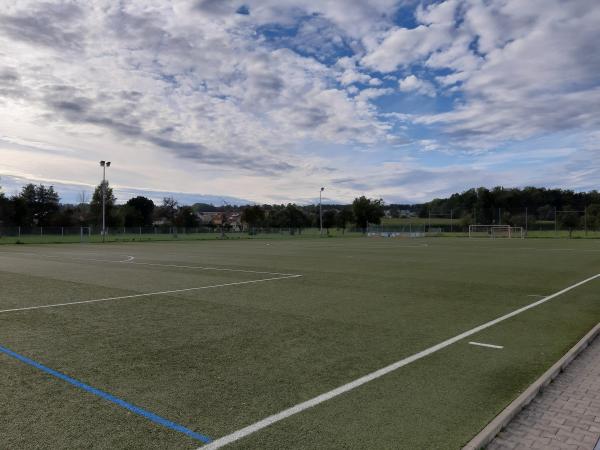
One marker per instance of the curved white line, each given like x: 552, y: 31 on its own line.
x: 130, y: 260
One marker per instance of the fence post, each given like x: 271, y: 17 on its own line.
x: 555, y: 223
x: 62, y: 231
x: 41, y: 231
x: 19, y: 232
x: 585, y: 220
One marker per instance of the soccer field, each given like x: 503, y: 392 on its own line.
x: 179, y: 344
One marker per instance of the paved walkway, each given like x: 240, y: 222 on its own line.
x: 565, y: 415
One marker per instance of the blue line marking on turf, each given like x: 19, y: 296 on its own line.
x: 111, y: 398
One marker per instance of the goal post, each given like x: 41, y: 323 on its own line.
x: 85, y: 234
x: 496, y: 232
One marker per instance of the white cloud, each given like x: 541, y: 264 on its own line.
x: 413, y: 84
x: 197, y: 86
x: 520, y: 68
x: 401, y: 47
x: 194, y: 92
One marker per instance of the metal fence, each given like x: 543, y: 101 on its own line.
x: 115, y: 234
x: 418, y: 229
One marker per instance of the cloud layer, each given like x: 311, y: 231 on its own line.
x: 268, y: 99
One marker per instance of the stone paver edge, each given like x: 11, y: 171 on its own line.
x: 485, y: 436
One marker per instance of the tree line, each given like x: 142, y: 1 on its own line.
x: 516, y: 207
x: 40, y: 206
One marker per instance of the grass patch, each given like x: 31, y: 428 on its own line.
x: 218, y: 359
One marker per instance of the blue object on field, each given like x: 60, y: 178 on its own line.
x: 111, y: 398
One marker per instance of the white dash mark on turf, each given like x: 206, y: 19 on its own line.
x: 481, y: 344
x: 148, y: 294
x: 253, y: 428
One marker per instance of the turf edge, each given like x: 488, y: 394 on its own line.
x: 485, y: 436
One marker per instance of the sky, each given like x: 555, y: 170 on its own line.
x: 232, y: 101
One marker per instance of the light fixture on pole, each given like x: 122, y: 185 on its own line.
x: 104, y: 165
x: 321, y: 211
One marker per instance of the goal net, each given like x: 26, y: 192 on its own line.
x: 495, y: 231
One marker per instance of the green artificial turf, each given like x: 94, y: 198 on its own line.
x: 218, y: 359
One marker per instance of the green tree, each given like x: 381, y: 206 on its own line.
x: 40, y: 203
x: 5, y: 209
x: 465, y: 221
x: 345, y: 217
x: 593, y: 216
x: 253, y: 215
x: 569, y: 220
x: 168, y: 209
x: 96, y: 205
x: 186, y: 217
x: 138, y: 212
x: 367, y: 211
x: 290, y: 217
x: 329, y: 219
x: 67, y: 216
x: 204, y: 207
x: 48, y: 204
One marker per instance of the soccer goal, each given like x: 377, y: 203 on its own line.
x: 495, y: 231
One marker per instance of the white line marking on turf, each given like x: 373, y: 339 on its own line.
x: 481, y: 344
x: 243, y: 432
x: 174, y: 291
x: 130, y: 260
x: 209, y: 268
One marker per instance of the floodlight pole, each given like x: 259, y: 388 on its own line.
x: 321, y: 211
x: 104, y: 165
